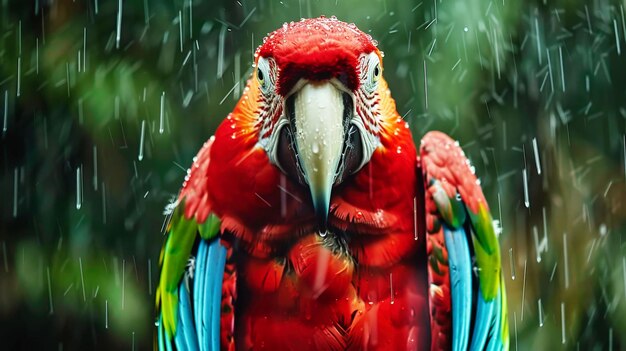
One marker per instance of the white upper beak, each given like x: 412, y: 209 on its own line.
x: 318, y: 110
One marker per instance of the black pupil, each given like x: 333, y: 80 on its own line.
x: 260, y: 75
x: 376, y: 71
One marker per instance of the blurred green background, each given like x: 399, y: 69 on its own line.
x: 105, y: 103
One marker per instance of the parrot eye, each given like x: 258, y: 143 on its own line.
x: 374, y: 72
x: 263, y: 75
x: 260, y: 77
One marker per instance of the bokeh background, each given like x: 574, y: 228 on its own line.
x: 103, y: 105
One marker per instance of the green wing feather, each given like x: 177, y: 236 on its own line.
x: 175, y: 254
x: 487, y: 252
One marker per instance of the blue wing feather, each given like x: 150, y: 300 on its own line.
x: 216, y: 285
x: 207, y: 293
x: 486, y: 333
x: 198, y: 288
x: 495, y: 339
x: 210, y: 263
x: 460, y: 285
x: 186, y: 338
x: 164, y: 342
x: 483, y: 321
x: 161, y: 331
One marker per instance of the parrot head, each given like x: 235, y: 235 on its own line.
x: 319, y: 108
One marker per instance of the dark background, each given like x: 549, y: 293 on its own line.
x: 81, y: 211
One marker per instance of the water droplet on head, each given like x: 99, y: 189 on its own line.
x: 323, y: 233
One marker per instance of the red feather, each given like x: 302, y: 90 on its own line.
x: 316, y: 49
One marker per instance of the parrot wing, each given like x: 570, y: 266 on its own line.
x: 466, y: 290
x: 189, y: 297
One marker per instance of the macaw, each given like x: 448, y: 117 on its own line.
x: 310, y: 222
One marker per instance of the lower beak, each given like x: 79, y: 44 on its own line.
x: 319, y: 138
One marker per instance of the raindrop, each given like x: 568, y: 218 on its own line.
x: 84, y: 51
x: 49, y: 291
x: 78, y: 189
x: 536, y: 152
x: 19, y: 74
x: 540, y: 308
x: 141, y: 140
x: 82, y: 277
x: 565, y: 260
x: 562, y: 322
x: 6, y: 111
x: 524, y: 290
x: 526, y: 199
x: 425, y: 87
x: 180, y: 30
x: 538, y: 39
x: 119, y: 24
x: 512, y: 263
x: 619, y: 51
x: 162, y: 114
x: 315, y: 148
x: 562, y: 69
x: 95, y: 168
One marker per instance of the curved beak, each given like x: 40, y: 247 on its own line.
x: 319, y: 137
